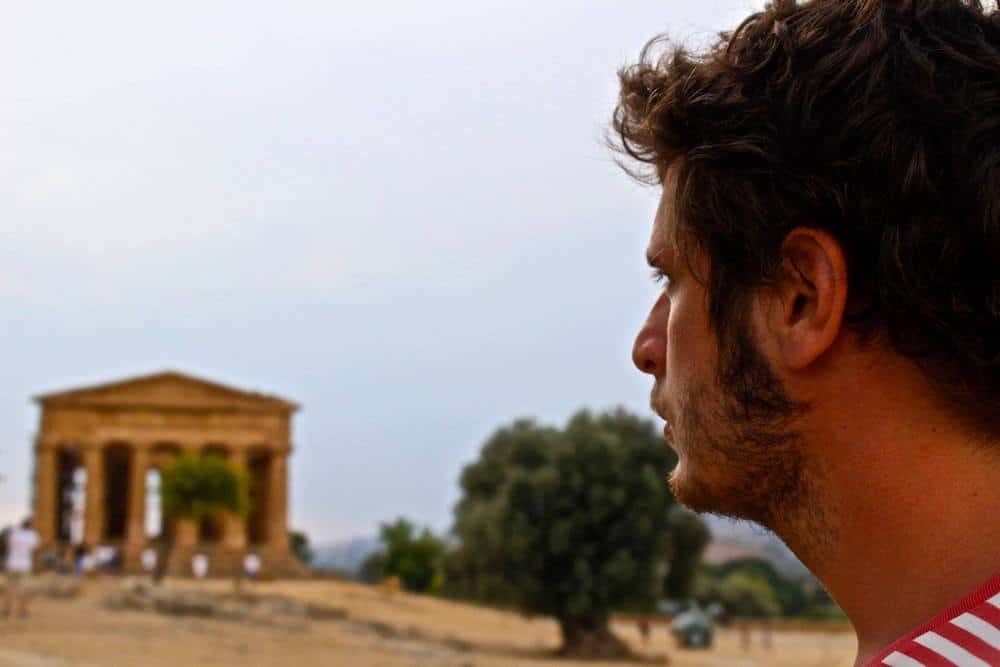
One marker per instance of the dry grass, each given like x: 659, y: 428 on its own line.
x: 381, y: 630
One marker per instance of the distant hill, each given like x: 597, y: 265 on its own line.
x: 741, y: 539
x: 345, y: 556
x: 730, y: 540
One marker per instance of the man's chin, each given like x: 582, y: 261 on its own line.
x: 686, y: 490
x: 696, y: 493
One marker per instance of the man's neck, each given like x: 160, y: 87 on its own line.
x: 910, y: 522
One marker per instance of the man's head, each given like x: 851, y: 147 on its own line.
x: 831, y: 193
x: 26, y: 523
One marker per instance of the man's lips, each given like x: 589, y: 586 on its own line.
x: 660, y: 409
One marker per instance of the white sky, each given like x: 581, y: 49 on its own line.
x: 399, y: 214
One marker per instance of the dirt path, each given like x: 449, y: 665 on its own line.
x: 398, y: 631
x: 11, y: 658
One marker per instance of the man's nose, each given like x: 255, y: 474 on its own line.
x: 649, y: 352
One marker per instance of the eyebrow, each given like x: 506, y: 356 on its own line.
x: 653, y: 259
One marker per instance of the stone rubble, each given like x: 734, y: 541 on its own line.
x: 270, y: 610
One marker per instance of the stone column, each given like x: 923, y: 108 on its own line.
x: 93, y: 510
x: 277, y: 520
x: 234, y: 527
x: 135, y: 534
x: 46, y: 501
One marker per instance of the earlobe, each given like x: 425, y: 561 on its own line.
x: 812, y: 294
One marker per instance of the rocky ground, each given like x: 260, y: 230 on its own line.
x: 302, y: 623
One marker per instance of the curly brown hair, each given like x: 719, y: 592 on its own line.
x: 876, y: 120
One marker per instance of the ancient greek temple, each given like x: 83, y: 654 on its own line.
x: 99, y: 450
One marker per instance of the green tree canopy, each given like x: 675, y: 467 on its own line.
x: 202, y: 487
x: 753, y: 587
x: 746, y: 594
x: 689, y: 537
x: 789, y: 593
x: 372, y: 569
x: 415, y: 557
x: 571, y: 523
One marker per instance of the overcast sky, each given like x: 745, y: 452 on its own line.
x: 398, y: 214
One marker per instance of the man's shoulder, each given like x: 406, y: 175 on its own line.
x: 966, y: 633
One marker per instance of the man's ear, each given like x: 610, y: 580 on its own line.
x: 811, y: 294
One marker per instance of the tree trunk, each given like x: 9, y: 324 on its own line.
x: 591, y: 639
x: 238, y: 574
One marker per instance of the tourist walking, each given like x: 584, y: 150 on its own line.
x: 199, y: 565
x: 21, y: 544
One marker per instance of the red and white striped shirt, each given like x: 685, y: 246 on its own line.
x: 966, y: 634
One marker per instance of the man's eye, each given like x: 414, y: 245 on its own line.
x: 661, y: 278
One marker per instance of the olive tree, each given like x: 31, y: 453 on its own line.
x: 573, y: 523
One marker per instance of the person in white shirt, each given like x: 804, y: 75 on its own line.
x: 199, y: 565
x: 103, y: 555
x: 21, y: 544
x: 251, y: 565
x: 148, y: 559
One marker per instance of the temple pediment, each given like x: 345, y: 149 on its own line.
x: 168, y: 390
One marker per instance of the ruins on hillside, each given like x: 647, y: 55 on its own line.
x: 99, y: 449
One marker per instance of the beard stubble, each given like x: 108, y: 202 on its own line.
x: 744, y: 458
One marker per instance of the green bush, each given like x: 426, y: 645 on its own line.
x: 753, y: 587
x: 416, y: 558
